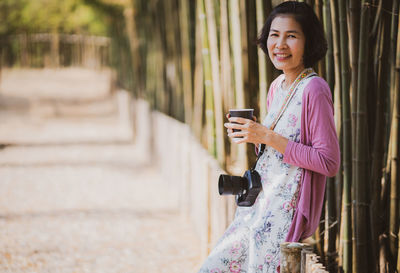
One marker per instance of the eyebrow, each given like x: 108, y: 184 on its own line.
x: 290, y: 31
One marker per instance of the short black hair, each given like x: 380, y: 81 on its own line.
x: 315, y: 46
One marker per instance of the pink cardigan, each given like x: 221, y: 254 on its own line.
x: 318, y: 153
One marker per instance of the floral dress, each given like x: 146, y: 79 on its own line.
x: 251, y: 244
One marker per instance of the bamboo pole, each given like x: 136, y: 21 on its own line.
x: 354, y: 26
x: 346, y: 129
x: 250, y: 59
x: 384, y: 252
x: 240, y: 163
x: 244, y: 49
x: 395, y: 177
x: 237, y: 52
x: 262, y: 64
x: 185, y: 60
x: 218, y: 112
x: 198, y: 101
x: 330, y: 234
x: 330, y: 75
x: 161, y: 97
x: 362, y: 148
x: 55, y: 44
x: 209, y: 100
x: 333, y: 203
x: 393, y: 37
x: 134, y: 47
x: 336, y: 56
x: 383, y: 72
x: 172, y: 63
x: 226, y: 77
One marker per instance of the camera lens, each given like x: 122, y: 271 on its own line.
x: 231, y: 185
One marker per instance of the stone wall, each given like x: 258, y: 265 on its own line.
x: 188, y: 169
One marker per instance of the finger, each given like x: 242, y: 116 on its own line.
x: 239, y: 120
x: 254, y: 118
x: 234, y: 126
x: 237, y: 134
x: 229, y: 131
x: 228, y: 116
x: 239, y: 140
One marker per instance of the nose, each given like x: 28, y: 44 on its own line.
x: 281, y: 43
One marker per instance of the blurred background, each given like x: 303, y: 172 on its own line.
x: 112, y: 137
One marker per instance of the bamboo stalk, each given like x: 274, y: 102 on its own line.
x: 226, y: 78
x: 173, y: 61
x: 354, y: 26
x: 330, y: 74
x: 336, y: 55
x: 378, y: 221
x: 377, y: 149
x: 332, y: 202
x: 395, y: 176
x: 262, y: 64
x: 180, y: 115
x: 236, y: 51
x: 185, y: 61
x: 386, y: 187
x: 346, y: 129
x: 235, y: 30
x: 134, y: 46
x: 209, y: 100
x: 362, y: 148
x: 331, y: 234
x: 250, y: 61
x: 163, y: 92
x: 197, y: 119
x: 386, y: 191
x: 218, y: 112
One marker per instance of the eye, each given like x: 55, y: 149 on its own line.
x: 273, y: 35
x: 291, y: 36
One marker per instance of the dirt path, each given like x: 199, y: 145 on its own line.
x: 76, y: 194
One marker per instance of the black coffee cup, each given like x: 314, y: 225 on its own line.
x: 242, y: 113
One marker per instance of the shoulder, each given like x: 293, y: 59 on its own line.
x: 317, y: 87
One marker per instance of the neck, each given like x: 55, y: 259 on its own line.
x: 290, y: 76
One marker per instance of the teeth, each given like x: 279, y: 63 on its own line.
x: 282, y: 55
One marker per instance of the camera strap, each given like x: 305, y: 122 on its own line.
x: 308, y: 72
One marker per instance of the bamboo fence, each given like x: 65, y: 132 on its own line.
x: 360, y: 225
x: 193, y: 60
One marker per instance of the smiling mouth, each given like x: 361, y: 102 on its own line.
x: 282, y: 56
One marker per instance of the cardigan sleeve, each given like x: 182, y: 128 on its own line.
x: 323, y: 153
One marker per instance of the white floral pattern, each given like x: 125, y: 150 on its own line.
x: 251, y: 244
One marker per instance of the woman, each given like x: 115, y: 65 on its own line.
x: 301, y: 148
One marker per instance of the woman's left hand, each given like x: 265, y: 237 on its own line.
x: 250, y: 131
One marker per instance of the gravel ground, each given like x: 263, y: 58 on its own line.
x: 77, y: 195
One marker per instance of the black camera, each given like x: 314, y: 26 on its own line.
x: 245, y: 188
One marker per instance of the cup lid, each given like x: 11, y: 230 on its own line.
x: 249, y: 109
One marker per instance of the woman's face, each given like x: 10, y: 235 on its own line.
x: 285, y: 44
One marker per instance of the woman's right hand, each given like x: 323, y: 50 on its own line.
x: 229, y: 131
